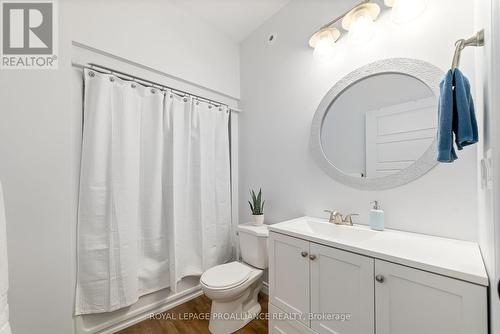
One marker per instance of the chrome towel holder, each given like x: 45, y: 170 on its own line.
x: 476, y: 40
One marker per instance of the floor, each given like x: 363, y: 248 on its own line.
x: 171, y: 324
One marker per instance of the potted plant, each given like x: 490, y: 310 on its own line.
x: 257, y: 207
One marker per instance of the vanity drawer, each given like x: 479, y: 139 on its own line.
x: 287, y: 325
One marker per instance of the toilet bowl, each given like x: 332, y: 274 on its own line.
x: 234, y: 287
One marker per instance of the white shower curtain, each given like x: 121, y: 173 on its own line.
x: 198, y: 186
x: 4, y: 277
x: 146, y: 206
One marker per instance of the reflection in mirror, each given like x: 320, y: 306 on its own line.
x: 379, y: 125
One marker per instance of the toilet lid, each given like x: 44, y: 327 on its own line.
x: 226, y: 275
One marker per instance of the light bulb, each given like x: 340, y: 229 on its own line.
x: 404, y: 11
x: 360, y: 22
x: 323, y: 42
x: 324, y: 50
x: 361, y: 30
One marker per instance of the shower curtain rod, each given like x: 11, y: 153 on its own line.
x: 149, y: 83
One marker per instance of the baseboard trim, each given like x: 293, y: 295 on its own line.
x: 162, y: 307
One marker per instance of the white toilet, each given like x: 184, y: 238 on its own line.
x: 234, y: 287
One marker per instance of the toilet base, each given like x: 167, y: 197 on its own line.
x: 228, y: 317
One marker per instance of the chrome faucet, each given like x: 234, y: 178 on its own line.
x: 337, y: 218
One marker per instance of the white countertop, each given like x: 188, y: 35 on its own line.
x: 449, y: 257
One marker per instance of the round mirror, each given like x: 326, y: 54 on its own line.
x: 380, y: 125
x: 376, y: 128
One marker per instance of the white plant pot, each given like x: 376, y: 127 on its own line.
x: 258, y: 219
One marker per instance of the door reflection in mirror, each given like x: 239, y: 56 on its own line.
x: 379, y: 125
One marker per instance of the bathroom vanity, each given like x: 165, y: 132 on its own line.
x: 326, y: 278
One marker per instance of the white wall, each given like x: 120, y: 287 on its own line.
x: 282, y: 86
x: 157, y: 34
x: 36, y: 140
x: 488, y: 74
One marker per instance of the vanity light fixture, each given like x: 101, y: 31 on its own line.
x: 404, y: 11
x: 323, y: 43
x: 359, y: 22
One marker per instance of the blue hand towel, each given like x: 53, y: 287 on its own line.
x: 456, y: 116
x: 446, y: 152
x: 465, y: 128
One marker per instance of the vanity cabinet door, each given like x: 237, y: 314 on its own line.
x: 412, y: 301
x: 289, y: 275
x: 280, y: 323
x: 341, y: 286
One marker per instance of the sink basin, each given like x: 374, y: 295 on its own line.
x: 325, y: 229
x: 447, y: 257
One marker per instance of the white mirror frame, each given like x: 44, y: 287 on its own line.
x: 427, y: 73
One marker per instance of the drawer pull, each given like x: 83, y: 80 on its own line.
x: 380, y: 278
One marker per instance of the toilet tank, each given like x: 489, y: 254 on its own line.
x: 253, y: 244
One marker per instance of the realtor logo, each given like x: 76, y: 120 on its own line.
x: 28, y: 35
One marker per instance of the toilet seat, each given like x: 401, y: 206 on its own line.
x: 226, y: 276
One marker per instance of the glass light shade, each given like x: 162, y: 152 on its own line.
x: 323, y: 42
x: 404, y: 11
x: 324, y: 50
x: 362, y: 29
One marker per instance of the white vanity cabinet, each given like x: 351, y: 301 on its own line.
x: 341, y: 282
x: 412, y: 301
x: 318, y: 288
x: 290, y: 262
x: 311, y: 279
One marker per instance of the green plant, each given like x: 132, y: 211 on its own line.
x: 257, y: 205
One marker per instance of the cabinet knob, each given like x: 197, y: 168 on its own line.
x: 304, y: 254
x: 312, y: 257
x: 380, y: 278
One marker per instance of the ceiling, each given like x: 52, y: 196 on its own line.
x: 235, y: 18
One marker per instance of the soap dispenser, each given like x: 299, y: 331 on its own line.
x: 376, y: 217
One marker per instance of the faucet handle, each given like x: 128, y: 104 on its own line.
x: 348, y: 218
x: 335, y: 216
